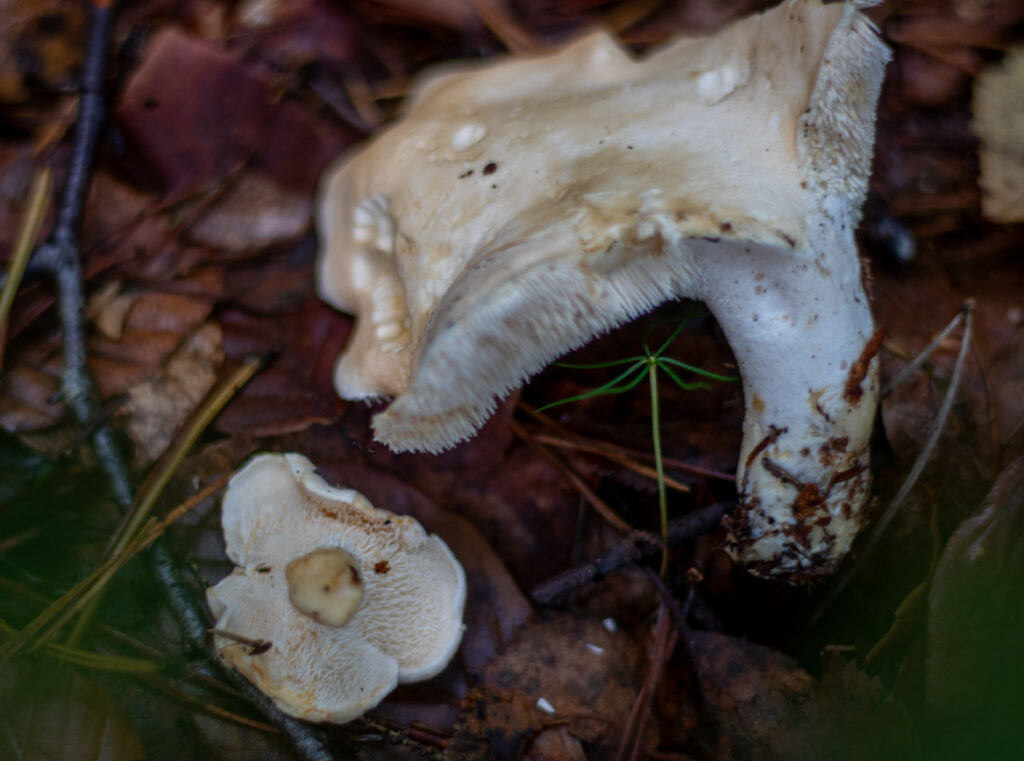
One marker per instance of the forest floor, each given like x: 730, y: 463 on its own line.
x: 197, y: 250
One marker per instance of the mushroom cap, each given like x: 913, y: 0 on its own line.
x: 520, y: 208
x: 525, y: 205
x: 407, y: 628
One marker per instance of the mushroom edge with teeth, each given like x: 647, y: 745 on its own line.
x: 520, y: 208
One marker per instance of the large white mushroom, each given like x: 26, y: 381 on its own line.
x: 519, y: 208
x: 334, y: 602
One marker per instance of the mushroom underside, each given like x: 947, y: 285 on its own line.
x: 523, y: 207
x: 334, y: 602
x: 802, y: 335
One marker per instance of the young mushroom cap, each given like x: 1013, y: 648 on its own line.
x: 522, y: 207
x: 398, y: 617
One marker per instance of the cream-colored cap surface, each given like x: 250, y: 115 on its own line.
x: 406, y: 628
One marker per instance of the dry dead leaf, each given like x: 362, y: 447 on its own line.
x: 119, y: 221
x: 150, y: 345
x: 767, y: 708
x: 254, y: 213
x: 524, y: 507
x: 295, y: 390
x: 28, y: 399
x: 555, y: 744
x: 565, y: 669
x: 453, y: 14
x: 40, y: 46
x: 1007, y: 377
x: 154, y: 326
x: 294, y: 33
x: 156, y: 408
x: 193, y: 114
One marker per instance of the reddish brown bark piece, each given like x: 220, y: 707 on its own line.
x: 191, y: 112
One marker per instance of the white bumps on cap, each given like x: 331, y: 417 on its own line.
x: 351, y: 599
x: 467, y: 136
x: 540, y: 201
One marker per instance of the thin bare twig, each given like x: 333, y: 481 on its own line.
x: 636, y: 546
x: 925, y: 353
x: 612, y: 450
x: 624, y: 460
x: 59, y: 258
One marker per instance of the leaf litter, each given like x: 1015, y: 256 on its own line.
x: 197, y: 253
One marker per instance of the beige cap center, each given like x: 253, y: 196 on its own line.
x: 326, y: 585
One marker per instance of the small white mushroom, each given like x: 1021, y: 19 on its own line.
x: 592, y: 186
x: 351, y: 599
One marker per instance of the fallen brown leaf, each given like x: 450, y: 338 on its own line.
x: 194, y: 114
x: 564, y: 669
x: 156, y: 408
x: 191, y: 113
x: 765, y: 707
x: 253, y: 214
x: 40, y: 46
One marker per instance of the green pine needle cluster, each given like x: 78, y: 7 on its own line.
x: 638, y: 368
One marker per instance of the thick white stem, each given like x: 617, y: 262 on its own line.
x: 800, y: 327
